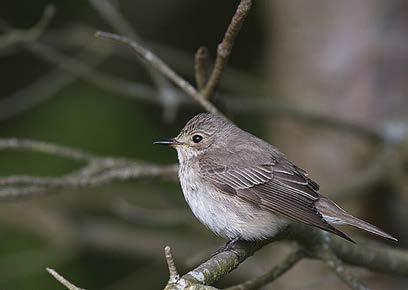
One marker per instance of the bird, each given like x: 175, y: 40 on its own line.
x: 243, y: 188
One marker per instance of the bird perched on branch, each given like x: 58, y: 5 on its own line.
x: 243, y: 188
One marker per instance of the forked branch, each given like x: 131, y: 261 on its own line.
x: 314, y: 242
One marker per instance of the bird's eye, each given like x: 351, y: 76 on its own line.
x: 197, y: 138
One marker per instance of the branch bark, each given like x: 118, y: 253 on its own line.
x: 379, y: 258
x: 216, y: 267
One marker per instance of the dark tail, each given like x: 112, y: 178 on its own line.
x: 335, y: 215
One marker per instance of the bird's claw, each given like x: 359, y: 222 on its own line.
x: 229, y: 247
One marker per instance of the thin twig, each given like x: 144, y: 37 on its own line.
x: 44, y: 147
x: 114, y: 18
x: 165, y: 89
x: 220, y: 264
x: 173, y: 274
x: 130, y: 171
x: 341, y: 271
x: 233, y: 79
x: 25, y: 186
x: 290, y: 260
x: 102, y: 170
x: 243, y: 105
x: 201, y: 62
x: 9, y: 193
x: 380, y: 258
x: 162, y: 67
x: 225, y: 47
x: 79, y: 68
x: 62, y: 280
x: 239, y: 105
x: 97, y: 171
x: 83, y: 70
x: 44, y: 22
x: 14, y: 36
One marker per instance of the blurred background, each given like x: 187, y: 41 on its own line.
x: 325, y: 81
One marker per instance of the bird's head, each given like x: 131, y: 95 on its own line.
x: 202, y: 133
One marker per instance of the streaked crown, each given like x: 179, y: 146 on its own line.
x: 205, y: 122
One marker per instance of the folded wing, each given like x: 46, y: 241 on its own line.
x: 278, y: 186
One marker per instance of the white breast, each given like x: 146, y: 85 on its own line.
x: 228, y: 216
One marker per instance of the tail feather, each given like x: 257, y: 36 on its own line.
x: 353, y: 221
x: 334, y: 214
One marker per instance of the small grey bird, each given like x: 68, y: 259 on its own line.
x: 243, y: 188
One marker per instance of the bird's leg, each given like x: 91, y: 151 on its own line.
x: 229, y: 246
x: 231, y: 243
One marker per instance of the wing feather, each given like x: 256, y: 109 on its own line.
x: 278, y: 187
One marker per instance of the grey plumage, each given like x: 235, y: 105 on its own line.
x: 242, y: 187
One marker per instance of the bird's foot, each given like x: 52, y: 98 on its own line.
x: 229, y: 246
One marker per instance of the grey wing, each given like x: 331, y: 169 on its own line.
x: 278, y: 186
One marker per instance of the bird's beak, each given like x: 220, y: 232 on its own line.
x: 168, y: 142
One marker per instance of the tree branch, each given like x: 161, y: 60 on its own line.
x: 131, y: 171
x: 114, y: 18
x: 49, y: 148
x: 290, y: 260
x: 14, y: 36
x: 217, y: 266
x: 97, y: 171
x: 225, y: 47
x: 162, y: 67
x: 341, y: 270
x: 17, y: 192
x: 166, y: 91
x: 173, y: 274
x: 79, y: 68
x: 62, y: 280
x: 101, y: 170
x: 379, y: 258
x: 201, y: 67
x: 245, y: 105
